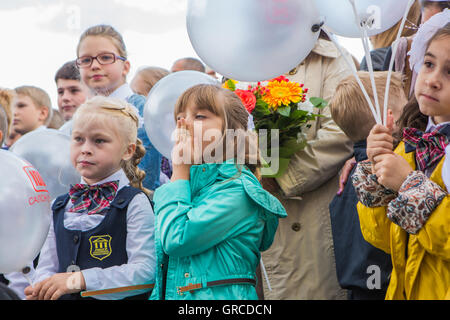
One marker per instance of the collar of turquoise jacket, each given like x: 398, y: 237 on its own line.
x: 206, y: 174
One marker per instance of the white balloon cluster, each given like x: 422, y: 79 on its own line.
x: 256, y: 40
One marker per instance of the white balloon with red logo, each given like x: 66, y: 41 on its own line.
x: 49, y: 152
x: 24, y: 212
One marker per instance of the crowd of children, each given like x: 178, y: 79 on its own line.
x: 171, y: 229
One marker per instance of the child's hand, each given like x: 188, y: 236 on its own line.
x: 182, y: 153
x: 380, y: 141
x: 391, y: 170
x: 54, y: 287
x: 28, y: 291
x: 345, y: 173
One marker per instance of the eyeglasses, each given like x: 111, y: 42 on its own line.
x: 102, y: 58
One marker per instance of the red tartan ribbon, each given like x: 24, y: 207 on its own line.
x: 429, y: 147
x: 92, y: 199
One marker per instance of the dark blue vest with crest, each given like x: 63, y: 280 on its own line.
x: 103, y: 246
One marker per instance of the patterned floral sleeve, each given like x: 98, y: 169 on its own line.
x: 370, y: 193
x: 417, y: 198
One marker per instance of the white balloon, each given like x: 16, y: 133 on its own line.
x: 24, y: 212
x: 340, y: 18
x: 49, y: 152
x: 252, y: 40
x: 66, y: 128
x: 158, y: 111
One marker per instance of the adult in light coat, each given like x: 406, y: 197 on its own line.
x: 301, y: 263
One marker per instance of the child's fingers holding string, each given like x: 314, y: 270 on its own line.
x: 379, y: 141
x: 390, y: 121
x: 382, y: 145
x: 379, y: 134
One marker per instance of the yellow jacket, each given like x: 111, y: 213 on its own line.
x: 421, y: 262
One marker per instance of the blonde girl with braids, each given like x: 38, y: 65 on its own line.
x: 103, y: 228
x: 214, y: 217
x: 103, y: 62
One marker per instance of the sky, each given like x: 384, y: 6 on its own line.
x: 39, y: 36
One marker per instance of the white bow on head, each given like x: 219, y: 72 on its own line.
x: 423, y: 36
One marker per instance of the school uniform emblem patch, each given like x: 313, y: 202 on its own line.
x: 100, y: 246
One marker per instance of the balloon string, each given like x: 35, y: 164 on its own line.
x: 371, y: 71
x: 265, y: 274
x: 60, y: 178
x: 391, y: 63
x: 352, y: 67
x: 365, y: 42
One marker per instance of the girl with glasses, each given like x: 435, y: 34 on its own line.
x: 104, y: 66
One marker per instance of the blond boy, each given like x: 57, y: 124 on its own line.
x: 361, y: 268
x: 351, y: 111
x: 32, y: 109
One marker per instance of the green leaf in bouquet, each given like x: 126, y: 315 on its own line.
x: 284, y: 123
x: 284, y: 111
x: 300, y: 114
x: 231, y: 85
x: 262, y: 124
x: 318, y: 102
x: 291, y: 146
x: 261, y: 109
x: 271, y: 171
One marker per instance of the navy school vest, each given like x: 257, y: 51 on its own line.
x: 103, y: 246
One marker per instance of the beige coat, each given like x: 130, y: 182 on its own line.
x: 301, y: 263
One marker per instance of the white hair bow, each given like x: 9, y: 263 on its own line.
x: 423, y: 36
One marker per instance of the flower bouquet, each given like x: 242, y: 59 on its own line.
x: 280, y: 113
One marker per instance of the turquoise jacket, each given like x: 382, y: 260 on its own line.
x: 209, y: 228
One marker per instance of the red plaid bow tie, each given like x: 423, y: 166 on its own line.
x: 92, y: 199
x: 429, y: 147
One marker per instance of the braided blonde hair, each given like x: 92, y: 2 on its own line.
x: 125, y: 122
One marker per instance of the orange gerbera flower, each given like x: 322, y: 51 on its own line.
x: 282, y: 93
